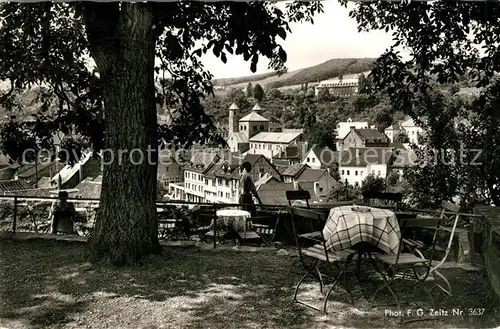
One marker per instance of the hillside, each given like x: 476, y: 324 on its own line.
x: 327, y: 70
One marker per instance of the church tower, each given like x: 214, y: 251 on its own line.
x: 232, y: 108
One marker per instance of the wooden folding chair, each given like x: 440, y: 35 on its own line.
x: 298, y: 195
x: 206, y: 216
x: 407, y: 263
x: 383, y: 198
x: 318, y: 253
x: 266, y: 227
x: 168, y: 224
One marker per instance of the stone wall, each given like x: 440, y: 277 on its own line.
x: 24, y: 219
x: 491, y: 243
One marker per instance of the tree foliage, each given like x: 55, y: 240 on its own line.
x: 112, y: 105
x: 344, y: 192
x: 448, y: 57
x: 249, y: 90
x: 258, y: 93
x: 373, y: 184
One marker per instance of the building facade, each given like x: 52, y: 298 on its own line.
x: 365, y: 138
x: 338, y: 87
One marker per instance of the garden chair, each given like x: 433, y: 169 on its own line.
x: 318, y: 254
x: 206, y: 216
x: 298, y: 195
x: 408, y: 263
x: 266, y: 227
x: 168, y: 223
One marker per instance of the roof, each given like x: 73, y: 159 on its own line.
x: 343, y: 128
x: 311, y: 175
x: 30, y: 169
x: 44, y: 182
x: 234, y: 107
x: 395, y: 126
x: 239, y: 137
x: 290, y: 130
x: 253, y: 116
x: 408, y: 123
x: 4, y: 160
x: 325, y: 155
x: 252, y: 158
x: 227, y: 170
x: 281, y: 169
x: 367, y: 156
x: 397, y: 145
x: 281, y: 162
x: 274, y: 192
x: 273, y: 137
x: 14, y: 185
x: 90, y: 188
x: 257, y: 107
x: 265, y: 179
x: 69, y: 171
x: 202, y: 159
x: 295, y: 170
x: 338, y: 82
x: 372, y: 135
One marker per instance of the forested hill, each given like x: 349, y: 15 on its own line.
x: 327, y: 70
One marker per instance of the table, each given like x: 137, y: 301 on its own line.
x: 347, y: 226
x: 234, y: 217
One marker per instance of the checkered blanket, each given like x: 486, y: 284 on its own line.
x: 348, y: 225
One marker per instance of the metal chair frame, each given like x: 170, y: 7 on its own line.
x: 319, y: 253
x: 409, y: 261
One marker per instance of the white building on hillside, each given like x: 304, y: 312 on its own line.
x: 252, y: 135
x: 338, y: 87
x: 357, y: 163
x: 344, y: 127
x: 412, y: 130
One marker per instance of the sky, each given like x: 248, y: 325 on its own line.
x: 333, y: 35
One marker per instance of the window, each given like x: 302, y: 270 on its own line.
x: 356, y: 184
x: 206, y: 181
x: 261, y: 127
x: 373, y: 172
x: 348, y: 173
x: 260, y: 145
x: 227, y: 182
x: 261, y: 169
x: 342, y: 172
x: 321, y: 189
x: 213, y: 183
x: 313, y: 159
x: 361, y: 172
x: 254, y: 127
x: 308, y: 160
x: 379, y: 173
x: 269, y: 147
x: 356, y: 173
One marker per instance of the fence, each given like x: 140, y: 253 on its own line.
x: 285, y: 234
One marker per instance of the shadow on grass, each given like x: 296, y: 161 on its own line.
x: 48, y: 284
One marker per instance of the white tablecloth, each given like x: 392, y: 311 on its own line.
x: 236, y: 218
x: 348, y: 225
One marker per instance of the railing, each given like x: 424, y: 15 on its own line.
x: 20, y: 201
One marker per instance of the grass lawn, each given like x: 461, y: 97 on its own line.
x: 48, y: 284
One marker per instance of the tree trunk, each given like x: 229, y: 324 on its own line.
x: 123, y: 45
